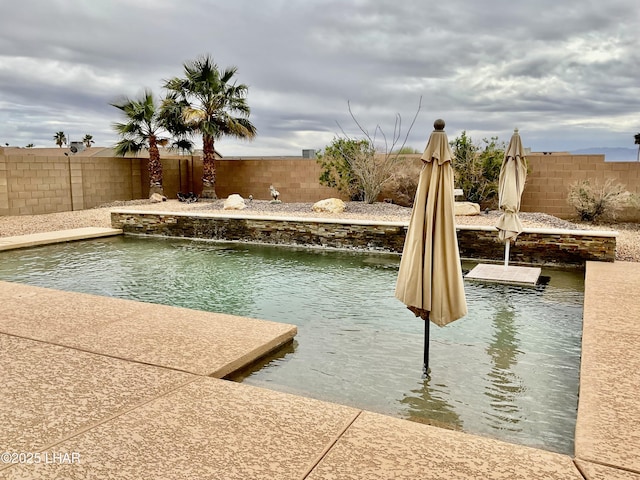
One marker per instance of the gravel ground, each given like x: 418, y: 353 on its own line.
x: 628, y: 242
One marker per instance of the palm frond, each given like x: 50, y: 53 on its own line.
x: 239, y: 128
x: 193, y: 116
x: 128, y: 146
x: 182, y: 145
x: 228, y: 74
x: 130, y: 128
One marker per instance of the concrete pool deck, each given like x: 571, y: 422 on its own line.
x: 96, y: 387
x: 60, y: 236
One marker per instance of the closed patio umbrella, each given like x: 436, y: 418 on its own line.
x: 430, y: 280
x: 513, y: 175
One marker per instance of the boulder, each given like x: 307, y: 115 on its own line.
x: 329, y: 205
x: 467, y: 208
x: 234, y: 202
x: 157, y: 198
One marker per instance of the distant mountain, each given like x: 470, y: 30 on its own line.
x: 618, y: 154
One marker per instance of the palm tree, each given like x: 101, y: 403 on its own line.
x: 30, y: 145
x: 637, y: 142
x: 205, y: 102
x: 88, y: 140
x: 140, y: 132
x: 60, y: 139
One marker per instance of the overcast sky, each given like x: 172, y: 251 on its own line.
x: 566, y: 73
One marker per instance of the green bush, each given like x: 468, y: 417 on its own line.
x: 477, y: 168
x: 594, y: 202
x: 337, y: 165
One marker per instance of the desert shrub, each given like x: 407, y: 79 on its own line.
x: 356, y: 167
x: 594, y: 202
x: 401, y: 189
x: 477, y: 168
x: 373, y: 172
x: 337, y: 162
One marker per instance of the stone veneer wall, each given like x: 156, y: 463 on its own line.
x: 539, y: 246
x: 534, y: 246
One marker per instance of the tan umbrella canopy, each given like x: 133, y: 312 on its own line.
x: 513, y: 175
x: 430, y: 280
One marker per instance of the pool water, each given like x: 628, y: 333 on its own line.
x: 508, y: 370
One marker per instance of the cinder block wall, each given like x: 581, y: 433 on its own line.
x: 4, y: 187
x: 34, y: 185
x: 179, y: 174
x: 550, y: 176
x: 295, y: 178
x: 51, y: 182
x: 104, y: 180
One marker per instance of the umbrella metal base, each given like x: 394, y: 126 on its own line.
x: 505, y: 274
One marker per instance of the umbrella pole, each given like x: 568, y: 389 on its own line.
x: 425, y: 367
x: 506, y: 253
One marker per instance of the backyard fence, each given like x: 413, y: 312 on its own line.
x: 35, y: 181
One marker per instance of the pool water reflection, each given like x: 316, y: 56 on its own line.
x: 508, y: 370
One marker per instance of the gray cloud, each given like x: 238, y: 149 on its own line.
x: 565, y: 73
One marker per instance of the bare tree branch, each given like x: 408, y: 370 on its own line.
x: 372, y: 172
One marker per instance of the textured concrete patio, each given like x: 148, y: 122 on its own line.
x: 96, y: 387
x: 608, y: 427
x: 193, y: 341
x: 47, y: 238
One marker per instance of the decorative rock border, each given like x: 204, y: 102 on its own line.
x: 533, y: 246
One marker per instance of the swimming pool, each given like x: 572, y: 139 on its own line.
x: 508, y: 370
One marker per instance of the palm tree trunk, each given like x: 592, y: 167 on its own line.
x: 155, y: 168
x: 209, y: 168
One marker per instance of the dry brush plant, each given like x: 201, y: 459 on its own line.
x: 593, y: 201
x: 356, y: 167
x: 401, y: 189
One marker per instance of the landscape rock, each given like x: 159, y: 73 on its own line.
x: 234, y: 202
x: 467, y: 208
x: 329, y: 205
x: 157, y: 198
